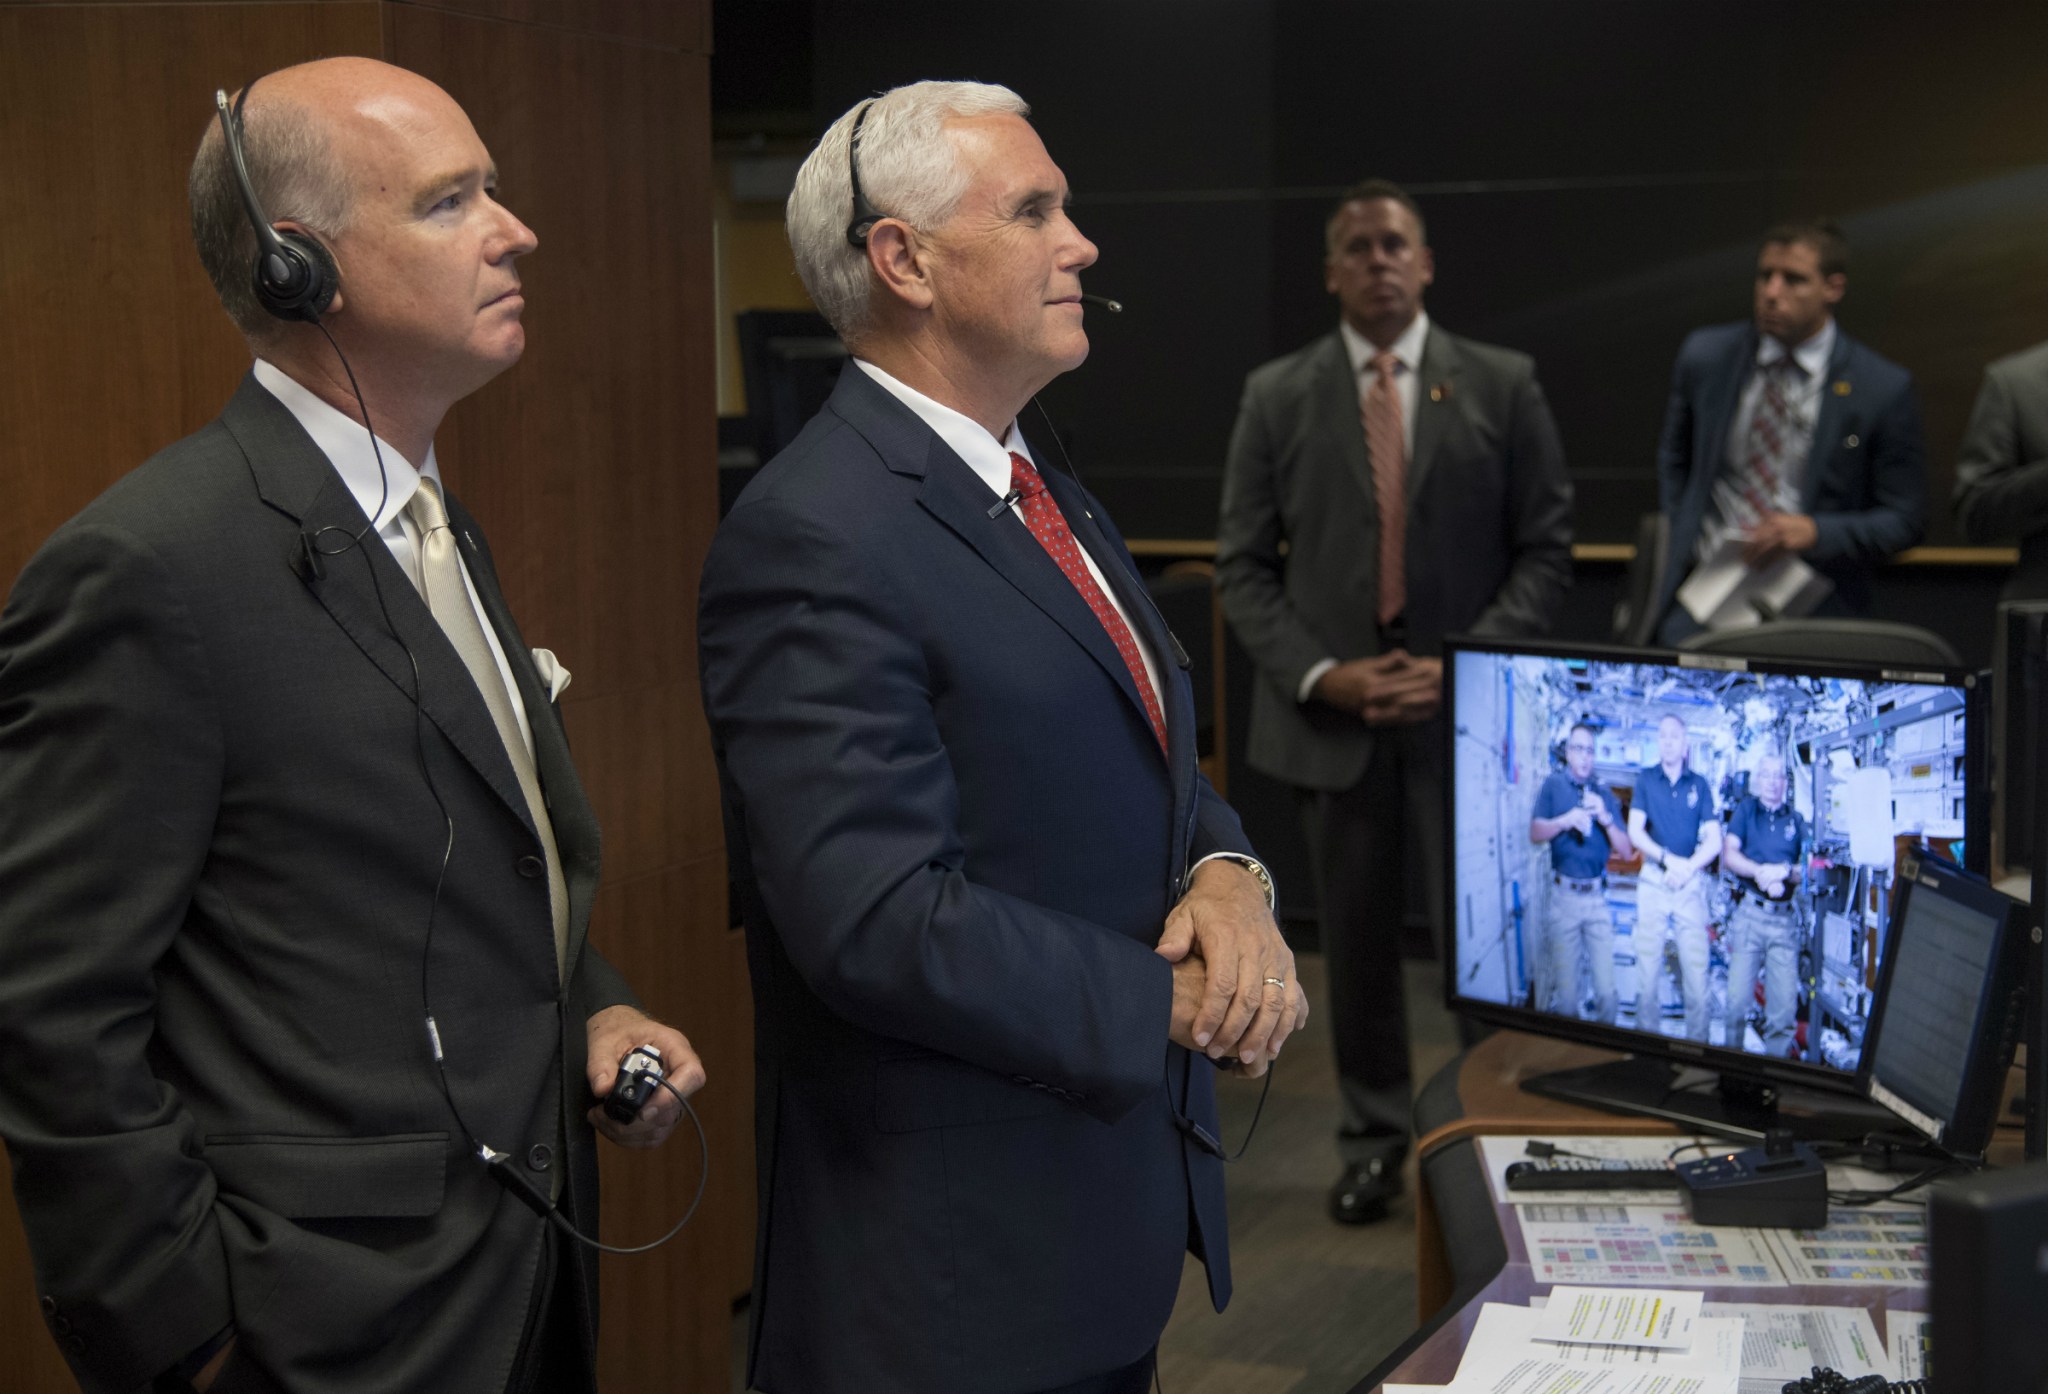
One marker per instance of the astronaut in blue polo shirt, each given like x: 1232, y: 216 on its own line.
x: 1671, y: 820
x: 1580, y: 819
x: 1764, y: 845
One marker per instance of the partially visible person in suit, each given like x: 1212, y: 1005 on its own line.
x: 1789, y: 435
x: 2002, y: 470
x: 287, y: 816
x: 995, y: 916
x: 1388, y: 484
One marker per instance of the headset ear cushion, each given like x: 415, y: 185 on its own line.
x: 308, y: 284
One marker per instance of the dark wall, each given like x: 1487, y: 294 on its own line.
x: 1595, y: 174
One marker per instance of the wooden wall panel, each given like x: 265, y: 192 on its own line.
x: 591, y: 464
x: 672, y: 24
x: 115, y: 344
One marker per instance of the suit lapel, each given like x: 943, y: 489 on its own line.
x: 575, y: 825
x: 1336, y: 406
x: 1827, y: 422
x: 1720, y: 419
x: 956, y: 496
x: 1436, y: 386
x: 361, y: 586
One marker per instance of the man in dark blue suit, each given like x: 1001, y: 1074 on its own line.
x: 1789, y: 436
x: 995, y: 916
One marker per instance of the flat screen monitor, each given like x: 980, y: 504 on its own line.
x: 1948, y: 1001
x: 1593, y: 795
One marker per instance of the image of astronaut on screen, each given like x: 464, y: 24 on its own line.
x: 1694, y: 853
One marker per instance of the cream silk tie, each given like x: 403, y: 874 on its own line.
x: 442, y: 585
x: 1385, y: 443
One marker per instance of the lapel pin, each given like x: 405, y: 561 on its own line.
x: 1841, y: 387
x: 1853, y: 441
x: 1440, y: 393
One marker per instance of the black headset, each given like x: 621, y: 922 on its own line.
x: 865, y: 214
x: 294, y: 277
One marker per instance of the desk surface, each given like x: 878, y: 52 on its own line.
x: 1491, y: 1100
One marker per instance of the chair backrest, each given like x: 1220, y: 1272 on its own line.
x: 1186, y: 596
x: 1855, y: 641
x: 1634, y: 622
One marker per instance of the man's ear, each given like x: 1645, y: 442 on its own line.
x: 1833, y: 288
x: 900, y: 263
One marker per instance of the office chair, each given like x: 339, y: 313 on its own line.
x: 1855, y: 641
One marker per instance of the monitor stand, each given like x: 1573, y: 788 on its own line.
x: 1708, y: 1101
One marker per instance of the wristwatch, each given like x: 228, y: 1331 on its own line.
x: 1250, y: 863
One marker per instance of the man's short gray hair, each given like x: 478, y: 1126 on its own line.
x: 296, y: 176
x: 909, y: 169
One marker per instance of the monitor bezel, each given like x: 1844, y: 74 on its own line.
x: 1723, y: 1059
x: 1969, y: 1131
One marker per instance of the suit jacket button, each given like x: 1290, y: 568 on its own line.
x: 49, y: 1305
x: 77, y: 1344
x: 1853, y: 442
x: 530, y: 866
x: 540, y: 1156
x: 61, y: 1325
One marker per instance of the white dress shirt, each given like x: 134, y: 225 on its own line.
x: 347, y: 447
x: 990, y: 461
x: 1407, y: 351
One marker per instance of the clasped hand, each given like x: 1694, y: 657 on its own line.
x: 1779, y: 535
x: 1389, y: 689
x: 1235, y: 995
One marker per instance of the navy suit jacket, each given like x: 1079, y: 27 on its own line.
x: 956, y: 840
x: 1866, y: 478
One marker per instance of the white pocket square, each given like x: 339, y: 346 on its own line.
x: 551, y: 672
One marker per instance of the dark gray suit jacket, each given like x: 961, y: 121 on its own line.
x: 2002, y: 469
x: 1488, y: 538
x: 219, y: 849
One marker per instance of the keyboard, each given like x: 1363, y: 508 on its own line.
x: 1583, y: 1174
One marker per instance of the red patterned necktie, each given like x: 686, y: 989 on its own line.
x: 1043, y: 517
x: 1385, y: 442
x: 1775, y: 442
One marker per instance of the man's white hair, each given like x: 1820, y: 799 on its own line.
x: 909, y: 169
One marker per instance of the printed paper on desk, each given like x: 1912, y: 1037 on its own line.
x: 1859, y: 1246
x: 1641, y: 1246
x: 1784, y: 1343
x: 1619, y: 1317
x: 1503, y: 1335
x: 1534, y: 1375
x: 1908, y: 1332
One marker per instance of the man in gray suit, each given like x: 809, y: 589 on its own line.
x: 297, y: 868
x: 2002, y: 470
x: 1387, y: 484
